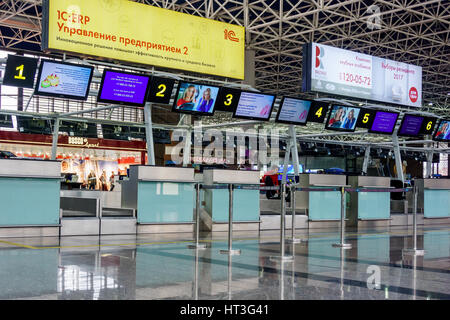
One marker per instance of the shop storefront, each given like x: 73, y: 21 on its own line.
x: 87, y: 163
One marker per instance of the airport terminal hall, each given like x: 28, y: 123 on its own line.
x: 225, y: 158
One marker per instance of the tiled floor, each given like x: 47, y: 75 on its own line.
x: 162, y: 267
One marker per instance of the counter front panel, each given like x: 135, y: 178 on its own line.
x: 436, y: 203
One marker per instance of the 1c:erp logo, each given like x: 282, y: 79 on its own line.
x: 320, y: 52
x: 231, y: 35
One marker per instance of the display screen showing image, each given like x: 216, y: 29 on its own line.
x: 343, y: 118
x: 64, y: 80
x: 124, y: 88
x: 254, y: 106
x: 195, y: 98
x: 411, y: 125
x: 443, y: 131
x: 293, y: 111
x: 384, y: 122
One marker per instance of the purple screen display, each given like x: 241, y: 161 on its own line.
x: 411, y: 125
x: 123, y: 87
x: 384, y: 122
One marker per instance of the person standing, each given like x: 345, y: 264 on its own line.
x: 92, y: 180
x: 111, y: 182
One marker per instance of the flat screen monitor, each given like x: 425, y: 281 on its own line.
x: 195, y: 98
x: 123, y: 88
x: 343, y: 118
x: 443, y: 131
x: 293, y: 111
x: 410, y: 126
x: 384, y: 122
x: 254, y: 106
x: 63, y: 80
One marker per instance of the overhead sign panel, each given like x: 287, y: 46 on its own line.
x: 134, y: 32
x: 348, y: 73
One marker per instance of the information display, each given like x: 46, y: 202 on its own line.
x: 348, y: 73
x: 428, y: 125
x: 6, y: 121
x: 410, y: 126
x: 140, y: 33
x: 318, y: 111
x: 63, y: 80
x: 160, y: 90
x: 343, y: 118
x: 228, y: 99
x: 443, y: 131
x: 366, y: 117
x: 256, y: 106
x: 20, y: 71
x: 293, y: 111
x: 123, y: 88
x: 195, y: 98
x: 384, y: 122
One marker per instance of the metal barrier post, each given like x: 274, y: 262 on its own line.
x: 293, y: 239
x: 342, y: 244
x: 197, y: 244
x: 414, y: 250
x: 230, y: 225
x: 282, y: 256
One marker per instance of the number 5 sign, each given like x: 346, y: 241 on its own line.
x: 20, y: 71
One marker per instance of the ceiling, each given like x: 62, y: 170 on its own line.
x: 410, y: 31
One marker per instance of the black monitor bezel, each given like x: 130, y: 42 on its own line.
x: 197, y: 113
x: 61, y: 95
x: 292, y: 122
x: 410, y: 135
x: 123, y: 103
x: 341, y: 129
x: 385, y: 133
x: 255, y: 118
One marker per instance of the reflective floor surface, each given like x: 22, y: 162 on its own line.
x: 162, y: 267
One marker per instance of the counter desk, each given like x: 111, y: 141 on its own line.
x: 245, y: 202
x: 163, y: 197
x: 434, y: 200
x: 29, y: 197
x: 369, y: 209
x: 322, y: 207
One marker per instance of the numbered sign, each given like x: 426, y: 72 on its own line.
x: 318, y: 111
x: 365, y: 118
x: 227, y: 99
x: 20, y: 71
x: 428, y: 125
x: 160, y: 90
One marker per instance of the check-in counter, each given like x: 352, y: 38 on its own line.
x: 369, y: 209
x: 163, y: 197
x: 322, y: 207
x: 245, y: 202
x: 434, y: 200
x: 29, y: 197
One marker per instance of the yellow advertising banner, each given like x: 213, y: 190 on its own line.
x: 134, y: 32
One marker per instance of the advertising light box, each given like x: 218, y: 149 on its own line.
x: 254, y: 106
x: 123, y: 88
x: 63, y: 80
x: 293, y: 111
x: 347, y: 73
x: 140, y: 33
x: 195, y: 98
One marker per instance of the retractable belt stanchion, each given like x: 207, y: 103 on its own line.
x: 293, y: 239
x: 342, y: 244
x: 282, y: 256
x: 197, y: 244
x: 230, y: 224
x: 414, y: 250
